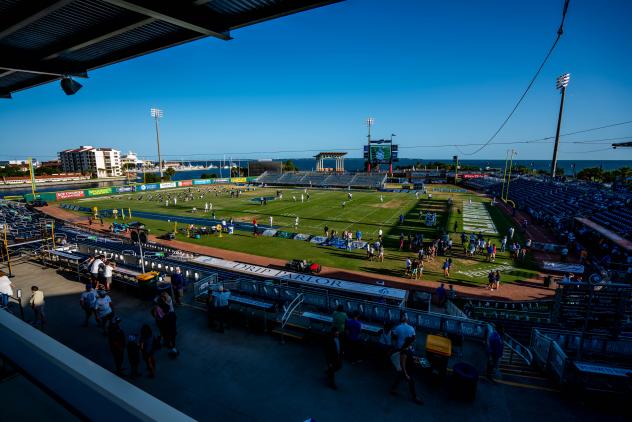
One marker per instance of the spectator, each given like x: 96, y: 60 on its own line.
x: 116, y: 341
x: 148, y: 346
x: 178, y: 283
x: 37, y: 305
x: 108, y: 266
x: 95, y: 265
x: 6, y: 290
x: 167, y: 322
x: 339, y: 319
x: 353, y: 331
x: 333, y: 356
x: 495, y: 347
x: 104, y: 310
x: 218, y: 308
x: 441, y: 295
x: 497, y: 280
x: 88, y: 302
x: 402, y: 359
x: 133, y: 355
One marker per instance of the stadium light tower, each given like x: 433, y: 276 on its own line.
x: 157, y: 113
x: 369, y: 123
x: 562, y: 83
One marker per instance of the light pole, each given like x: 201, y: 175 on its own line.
x: 511, y: 156
x: 369, y: 123
x: 502, y: 190
x: 562, y: 83
x: 390, y: 166
x: 157, y: 113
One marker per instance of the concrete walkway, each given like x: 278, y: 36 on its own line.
x: 250, y: 376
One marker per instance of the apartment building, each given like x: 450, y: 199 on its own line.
x: 102, y: 162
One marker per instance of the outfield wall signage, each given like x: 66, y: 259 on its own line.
x: 472, y: 176
x: 185, y: 183
x: 202, y: 182
x: 167, y: 185
x: 221, y: 180
x: 124, y: 189
x: 238, y: 180
x: 330, y: 283
x: 73, y: 194
x: 150, y: 186
x: 99, y: 191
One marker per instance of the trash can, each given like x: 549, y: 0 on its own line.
x: 438, y: 351
x: 464, y: 381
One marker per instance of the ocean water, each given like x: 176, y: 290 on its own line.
x: 354, y: 164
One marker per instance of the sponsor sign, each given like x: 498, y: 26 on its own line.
x: 73, y: 194
x: 166, y: 185
x: 123, y: 189
x: 151, y: 186
x: 238, y: 180
x: 222, y: 180
x: 331, y: 283
x: 202, y: 182
x: 472, y: 176
x: 185, y: 183
x: 98, y: 191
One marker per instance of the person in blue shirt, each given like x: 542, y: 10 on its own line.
x: 178, y: 283
x: 358, y: 235
x: 218, y: 308
x: 353, y: 329
x: 495, y: 347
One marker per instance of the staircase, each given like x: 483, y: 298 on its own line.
x: 515, y: 370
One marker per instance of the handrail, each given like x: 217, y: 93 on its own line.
x: 517, y: 348
x: 295, y: 303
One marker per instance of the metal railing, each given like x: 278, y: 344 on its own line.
x: 517, y: 349
x: 289, y: 310
x: 549, y: 355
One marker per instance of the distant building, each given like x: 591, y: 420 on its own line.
x: 102, y: 162
x: 132, y: 160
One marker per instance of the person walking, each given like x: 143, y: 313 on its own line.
x: 116, y: 341
x: 37, y: 303
x: 148, y: 346
x: 446, y: 268
x: 404, y: 338
x: 495, y: 346
x: 178, y: 283
x: 218, y: 308
x: 88, y: 302
x: 133, y: 355
x: 6, y: 290
x: 333, y: 356
x: 497, y: 280
x: 104, y: 310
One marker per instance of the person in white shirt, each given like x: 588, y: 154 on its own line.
x: 104, y: 310
x: 107, y: 274
x: 296, y: 223
x: 37, y: 305
x: 94, y: 269
x: 6, y: 290
x: 402, y: 332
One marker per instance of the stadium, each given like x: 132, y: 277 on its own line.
x: 492, y: 293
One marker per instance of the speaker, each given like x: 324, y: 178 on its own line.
x: 70, y: 86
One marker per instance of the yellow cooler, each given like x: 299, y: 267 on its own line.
x: 438, y: 351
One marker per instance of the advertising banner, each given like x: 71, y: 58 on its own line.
x: 124, y: 189
x: 185, y: 183
x: 150, y: 186
x: 202, y: 182
x: 73, y: 194
x: 221, y: 180
x: 98, y: 191
x: 166, y: 185
x: 238, y: 180
x: 472, y: 176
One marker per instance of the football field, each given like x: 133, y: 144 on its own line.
x: 367, y: 211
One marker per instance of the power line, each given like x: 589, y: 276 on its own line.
x: 560, y: 31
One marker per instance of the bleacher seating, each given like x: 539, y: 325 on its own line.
x: 318, y: 179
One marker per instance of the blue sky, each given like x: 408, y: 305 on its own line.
x: 432, y: 72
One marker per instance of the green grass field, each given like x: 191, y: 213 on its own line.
x: 364, y: 212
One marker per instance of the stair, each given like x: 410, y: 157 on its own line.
x: 517, y: 371
x: 291, y: 330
